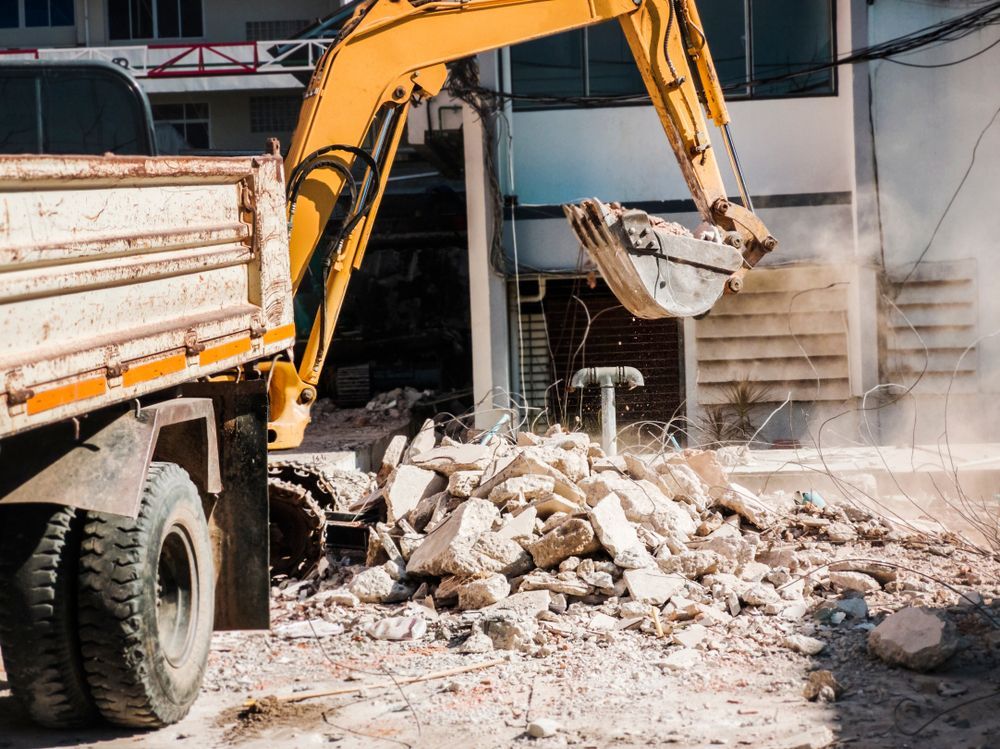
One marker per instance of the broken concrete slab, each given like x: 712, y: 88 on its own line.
x: 858, y: 581
x: 458, y: 533
x: 747, y: 505
x: 652, y: 586
x: 566, y: 583
x: 528, y: 603
x: 522, y: 488
x: 804, y: 644
x: 375, y: 585
x: 391, y: 457
x: 463, y: 483
x: 490, y: 552
x: 914, y: 638
x: 615, y: 532
x: 483, y: 591
x: 447, y: 459
x: 572, y: 538
x: 642, y: 501
x: 423, y: 442
x: 406, y: 487
x: 706, y: 464
x: 521, y: 525
x: 523, y: 464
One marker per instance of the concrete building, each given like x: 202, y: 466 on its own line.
x: 883, y: 274
x: 851, y: 168
x: 214, y: 81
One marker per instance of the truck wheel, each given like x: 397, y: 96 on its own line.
x: 147, y: 603
x: 39, y: 549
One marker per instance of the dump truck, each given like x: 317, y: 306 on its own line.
x: 149, y: 348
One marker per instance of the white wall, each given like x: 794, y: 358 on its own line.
x: 620, y: 153
x: 926, y: 123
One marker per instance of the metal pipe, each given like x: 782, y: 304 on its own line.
x: 607, y: 378
x: 734, y: 160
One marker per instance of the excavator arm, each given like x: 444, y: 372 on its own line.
x: 394, y: 51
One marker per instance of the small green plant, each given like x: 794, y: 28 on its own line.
x: 732, y: 420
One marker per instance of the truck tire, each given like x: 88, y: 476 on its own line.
x: 39, y: 550
x: 147, y: 597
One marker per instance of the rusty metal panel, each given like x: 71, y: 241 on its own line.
x: 239, y: 520
x: 104, y: 468
x: 120, y: 276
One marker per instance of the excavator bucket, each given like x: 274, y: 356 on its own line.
x: 653, y: 270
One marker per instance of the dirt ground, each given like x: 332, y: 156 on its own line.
x: 617, y: 688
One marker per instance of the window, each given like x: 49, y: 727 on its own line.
x: 750, y: 40
x: 154, y: 19
x: 181, y: 128
x: 34, y: 13
x: 69, y: 110
x: 274, y: 114
x: 781, y: 37
x: 594, y: 61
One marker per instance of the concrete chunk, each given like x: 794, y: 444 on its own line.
x: 747, y: 505
x: 524, y: 464
x: 463, y: 483
x: 613, y: 529
x: 914, y: 638
x: 858, y: 581
x: 484, y: 591
x: 456, y: 534
x: 447, y: 459
x: 521, y: 525
x: 651, y: 586
x: 529, y: 603
x: 523, y: 488
x: 406, y: 487
x: 572, y: 538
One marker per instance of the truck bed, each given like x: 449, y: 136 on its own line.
x: 120, y: 276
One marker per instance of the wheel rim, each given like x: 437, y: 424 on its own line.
x: 176, y: 595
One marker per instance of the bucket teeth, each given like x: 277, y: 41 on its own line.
x: 653, y: 271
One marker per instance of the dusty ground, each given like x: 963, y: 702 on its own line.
x: 606, y: 689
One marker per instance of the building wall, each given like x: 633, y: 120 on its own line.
x: 926, y: 125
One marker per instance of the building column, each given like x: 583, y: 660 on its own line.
x: 487, y: 289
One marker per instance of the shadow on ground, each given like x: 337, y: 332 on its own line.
x: 16, y: 732
x: 956, y: 705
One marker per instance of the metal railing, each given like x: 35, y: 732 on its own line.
x: 193, y: 60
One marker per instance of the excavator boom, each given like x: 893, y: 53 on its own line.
x: 394, y: 51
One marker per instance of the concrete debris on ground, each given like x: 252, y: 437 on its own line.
x: 521, y: 545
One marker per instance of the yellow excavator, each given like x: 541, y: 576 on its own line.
x: 147, y: 303
x: 393, y: 53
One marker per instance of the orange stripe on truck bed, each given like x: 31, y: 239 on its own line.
x: 225, y: 351
x: 60, y: 396
x: 279, y: 334
x: 151, y: 370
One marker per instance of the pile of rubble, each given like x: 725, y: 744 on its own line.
x: 513, y: 536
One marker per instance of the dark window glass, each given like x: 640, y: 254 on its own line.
x: 790, y: 35
x: 19, y: 122
x: 190, y: 17
x: 168, y: 111
x: 84, y: 114
x: 168, y: 18
x: 726, y: 30
x: 142, y: 19
x: 61, y: 12
x: 118, y: 19
x: 9, y: 14
x: 778, y: 38
x: 181, y: 128
x: 610, y: 65
x: 549, y: 66
x: 36, y: 13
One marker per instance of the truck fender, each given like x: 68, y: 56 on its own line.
x: 105, y: 471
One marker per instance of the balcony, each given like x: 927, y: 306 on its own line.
x: 163, y: 68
